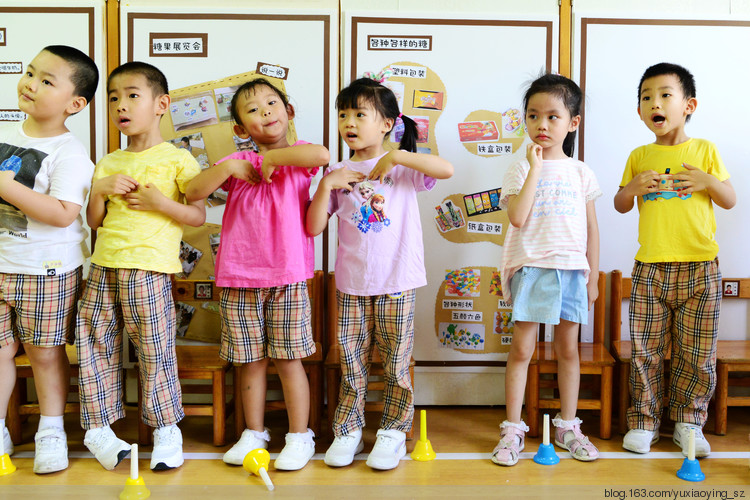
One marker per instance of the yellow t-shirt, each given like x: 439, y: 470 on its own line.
x: 136, y: 239
x: 673, y: 227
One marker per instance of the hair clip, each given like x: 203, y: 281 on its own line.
x: 378, y: 77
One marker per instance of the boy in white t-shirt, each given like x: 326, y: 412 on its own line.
x: 45, y: 176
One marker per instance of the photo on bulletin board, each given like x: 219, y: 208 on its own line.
x: 193, y: 111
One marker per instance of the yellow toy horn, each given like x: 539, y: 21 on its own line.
x: 256, y: 462
x: 423, y: 449
x: 135, y: 488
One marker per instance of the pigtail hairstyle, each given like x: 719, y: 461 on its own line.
x: 564, y: 89
x: 368, y: 91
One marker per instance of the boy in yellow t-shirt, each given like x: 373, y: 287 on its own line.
x: 676, y: 294
x: 137, y: 207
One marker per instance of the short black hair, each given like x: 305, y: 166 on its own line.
x: 155, y: 78
x: 245, y: 89
x: 687, y: 81
x: 85, y: 75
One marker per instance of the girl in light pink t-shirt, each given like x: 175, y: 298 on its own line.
x: 379, y: 263
x: 550, y: 259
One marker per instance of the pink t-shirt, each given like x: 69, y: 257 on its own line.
x: 380, y: 234
x: 555, y: 234
x: 263, y: 238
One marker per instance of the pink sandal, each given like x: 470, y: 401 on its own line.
x: 568, y: 436
x: 511, y: 443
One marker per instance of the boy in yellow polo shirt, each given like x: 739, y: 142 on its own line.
x: 676, y: 294
x: 137, y: 207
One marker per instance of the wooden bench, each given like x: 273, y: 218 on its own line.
x: 594, y: 359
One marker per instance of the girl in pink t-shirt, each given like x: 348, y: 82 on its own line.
x: 550, y: 259
x: 379, y: 263
x: 264, y: 259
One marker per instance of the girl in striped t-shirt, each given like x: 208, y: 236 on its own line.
x: 550, y: 259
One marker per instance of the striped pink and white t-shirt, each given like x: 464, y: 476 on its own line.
x: 555, y: 234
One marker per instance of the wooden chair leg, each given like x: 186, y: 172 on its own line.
x: 13, y: 420
x: 333, y: 377
x: 219, y: 406
x: 605, y: 420
x: 316, y: 397
x: 532, y: 400
x: 722, y: 392
x: 624, y: 403
x: 239, y: 410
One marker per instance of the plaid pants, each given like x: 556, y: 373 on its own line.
x: 139, y: 303
x: 389, y: 320
x: 673, y: 305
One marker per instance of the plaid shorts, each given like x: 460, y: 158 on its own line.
x: 259, y: 323
x: 139, y: 304
x: 673, y: 305
x: 39, y: 310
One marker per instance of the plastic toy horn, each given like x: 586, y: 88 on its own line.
x: 256, y: 462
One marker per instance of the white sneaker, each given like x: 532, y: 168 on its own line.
x: 51, y: 453
x: 249, y: 441
x: 681, y: 438
x: 389, y: 447
x: 106, y: 447
x: 342, y: 450
x: 7, y: 442
x: 640, y: 440
x: 299, y: 449
x: 167, y: 453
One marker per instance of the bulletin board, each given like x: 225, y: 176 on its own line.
x: 199, y: 120
x: 223, y: 39
x: 462, y: 80
x: 610, y: 55
x: 26, y: 27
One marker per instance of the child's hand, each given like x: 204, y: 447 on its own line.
x: 267, y: 168
x: 343, y: 178
x: 592, y: 287
x: 534, y: 155
x: 644, y: 183
x: 242, y: 170
x: 692, y: 179
x: 146, y: 197
x: 114, y: 184
x: 383, y: 166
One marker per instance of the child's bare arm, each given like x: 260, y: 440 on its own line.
x: 100, y: 190
x: 694, y: 179
x: 149, y: 197
x: 520, y: 205
x: 209, y: 180
x: 643, y: 183
x: 317, y: 212
x: 302, y: 155
x: 592, y: 251
x: 430, y: 165
x: 38, y: 206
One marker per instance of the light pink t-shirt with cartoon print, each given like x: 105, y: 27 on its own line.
x: 380, y: 247
x: 555, y: 233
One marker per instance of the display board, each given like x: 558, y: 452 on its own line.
x: 26, y: 27
x: 610, y: 55
x: 462, y: 80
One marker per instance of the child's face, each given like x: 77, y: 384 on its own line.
x: 663, y: 106
x: 263, y: 117
x: 363, y: 128
x: 46, y: 91
x: 548, y: 121
x: 132, y: 105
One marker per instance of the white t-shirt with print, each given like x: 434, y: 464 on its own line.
x: 56, y: 166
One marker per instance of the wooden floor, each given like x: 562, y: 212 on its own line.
x: 462, y: 437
